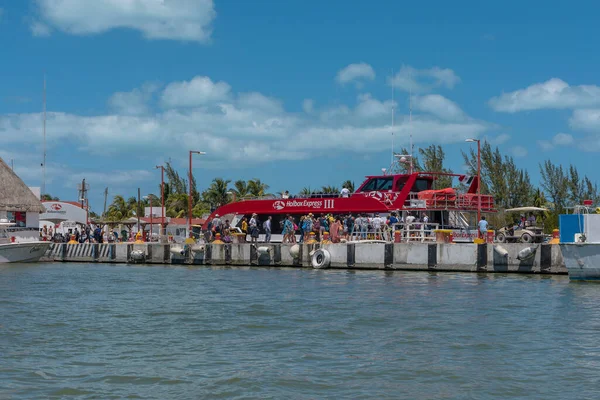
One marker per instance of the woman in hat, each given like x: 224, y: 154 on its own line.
x: 254, y: 228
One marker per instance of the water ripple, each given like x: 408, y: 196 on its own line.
x: 116, y: 331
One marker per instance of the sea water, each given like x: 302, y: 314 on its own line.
x: 164, y: 332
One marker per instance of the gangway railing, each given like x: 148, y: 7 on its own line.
x: 450, y: 201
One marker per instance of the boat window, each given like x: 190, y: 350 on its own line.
x: 420, y: 185
x: 378, y: 184
x: 370, y: 186
x: 385, y: 184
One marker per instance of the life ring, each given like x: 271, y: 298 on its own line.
x: 320, y: 259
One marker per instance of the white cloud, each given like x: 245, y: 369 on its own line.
x: 545, y: 145
x: 258, y: 101
x: 368, y: 107
x: 559, y: 140
x: 156, y: 19
x: 308, y: 105
x: 562, y: 139
x: 586, y: 119
x: 110, y: 178
x: 519, y: 151
x: 134, y: 102
x: 438, y: 106
x: 237, y: 130
x: 500, y: 139
x: 201, y: 90
x: 424, y: 80
x: 552, y: 94
x: 354, y: 73
x: 39, y: 29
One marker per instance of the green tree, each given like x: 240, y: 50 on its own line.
x: 257, y: 188
x: 500, y: 177
x: 118, y: 210
x: 556, y: 185
x: 240, y: 188
x: 47, y: 197
x: 433, y: 161
x: 329, y: 190
x: 177, y: 205
x: 306, y: 191
x: 176, y: 184
x: 216, y: 195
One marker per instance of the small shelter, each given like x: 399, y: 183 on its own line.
x: 17, y: 201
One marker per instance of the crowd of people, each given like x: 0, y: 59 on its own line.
x: 87, y: 234
x: 359, y: 226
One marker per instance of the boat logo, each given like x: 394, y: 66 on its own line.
x: 279, y: 205
x: 56, y: 207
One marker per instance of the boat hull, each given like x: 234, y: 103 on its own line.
x: 582, y: 260
x: 22, y: 252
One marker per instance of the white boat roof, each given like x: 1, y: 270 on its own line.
x: 526, y: 209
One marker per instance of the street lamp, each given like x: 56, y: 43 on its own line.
x: 478, y: 176
x: 162, y: 199
x: 190, y: 196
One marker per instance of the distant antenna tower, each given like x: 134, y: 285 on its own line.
x: 410, y: 128
x: 393, y: 112
x: 44, y: 145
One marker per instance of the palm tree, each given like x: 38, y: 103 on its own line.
x: 348, y: 185
x: 240, y: 189
x: 177, y: 205
x: 306, y: 191
x: 119, y: 209
x: 329, y: 190
x: 257, y: 188
x: 216, y: 195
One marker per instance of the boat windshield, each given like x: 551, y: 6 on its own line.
x: 378, y: 184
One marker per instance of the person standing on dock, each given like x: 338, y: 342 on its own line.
x: 267, y: 228
x: 483, y: 227
x: 253, y: 228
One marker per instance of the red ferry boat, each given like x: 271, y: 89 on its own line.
x: 406, y: 193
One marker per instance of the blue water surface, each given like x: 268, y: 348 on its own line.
x: 94, y: 331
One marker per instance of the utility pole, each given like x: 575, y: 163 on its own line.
x: 105, y: 196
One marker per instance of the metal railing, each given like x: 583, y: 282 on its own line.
x: 445, y: 201
x: 410, y: 232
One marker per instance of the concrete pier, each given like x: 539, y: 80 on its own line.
x: 465, y: 257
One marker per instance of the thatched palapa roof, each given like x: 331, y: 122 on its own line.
x: 14, y: 193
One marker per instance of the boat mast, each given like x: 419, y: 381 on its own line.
x: 410, y: 129
x: 393, y: 117
x: 44, y: 145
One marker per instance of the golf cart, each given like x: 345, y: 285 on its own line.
x: 526, y: 230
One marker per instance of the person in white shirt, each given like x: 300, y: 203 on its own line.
x: 483, y: 227
x: 345, y: 192
x: 376, y: 222
x: 253, y: 226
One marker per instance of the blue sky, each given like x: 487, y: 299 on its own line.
x: 296, y: 93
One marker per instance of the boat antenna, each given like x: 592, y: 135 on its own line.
x: 393, y: 112
x: 44, y: 145
x: 410, y: 129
